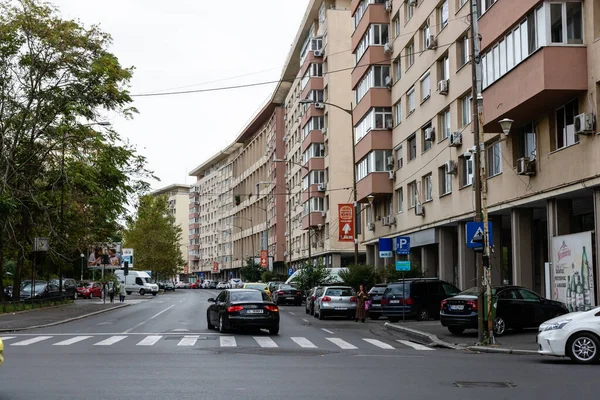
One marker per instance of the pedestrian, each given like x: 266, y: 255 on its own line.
x: 361, y: 298
x: 122, y: 292
x: 111, y: 291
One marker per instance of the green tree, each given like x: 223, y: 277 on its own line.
x: 251, y: 272
x: 60, y: 176
x: 311, y: 276
x: 356, y: 275
x: 270, y: 276
x: 389, y: 274
x: 153, y: 235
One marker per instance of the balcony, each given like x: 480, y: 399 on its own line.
x: 309, y: 59
x: 316, y: 218
x: 376, y: 183
x: 373, y: 55
x: 537, y: 85
x: 375, y: 14
x: 314, y: 83
x: 501, y: 15
x: 375, y: 97
x: 311, y: 112
x: 194, y: 226
x: 374, y: 140
x: 314, y: 136
x: 194, y: 215
x: 314, y: 192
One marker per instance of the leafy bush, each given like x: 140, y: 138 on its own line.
x: 311, y: 276
x: 356, y: 275
x: 252, y: 271
x: 389, y: 274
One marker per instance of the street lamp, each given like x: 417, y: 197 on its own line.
x: 82, y: 261
x: 506, y: 124
x: 349, y: 112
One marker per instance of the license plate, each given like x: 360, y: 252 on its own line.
x: 289, y: 298
x: 254, y: 311
x: 376, y: 305
x: 394, y: 301
x: 457, y: 308
x: 340, y: 308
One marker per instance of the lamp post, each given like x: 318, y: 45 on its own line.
x: 82, y: 262
x: 349, y: 112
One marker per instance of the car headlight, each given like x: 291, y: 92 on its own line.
x: 555, y: 325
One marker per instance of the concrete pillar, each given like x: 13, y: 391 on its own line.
x: 446, y: 252
x: 597, y: 239
x: 496, y: 258
x: 467, y: 274
x: 370, y: 250
x: 336, y: 260
x: 522, y: 245
x: 559, y: 218
x: 379, y: 262
x: 429, y: 260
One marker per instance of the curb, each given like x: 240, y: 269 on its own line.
x: 65, y: 320
x: 500, y: 350
x: 426, y: 338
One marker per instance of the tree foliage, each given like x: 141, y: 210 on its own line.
x: 389, y: 274
x: 356, y: 275
x: 155, y: 238
x: 251, y: 272
x: 311, y: 276
x: 61, y: 176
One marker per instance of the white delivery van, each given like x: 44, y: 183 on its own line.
x: 333, y: 275
x: 137, y: 281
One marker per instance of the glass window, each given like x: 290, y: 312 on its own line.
x: 400, y: 199
x: 526, y: 138
x: 427, y: 135
x: 408, y: 11
x: 410, y: 55
x: 410, y: 95
x: 412, y: 187
x: 445, y: 124
x: 528, y: 295
x: 556, y: 29
x: 397, y: 69
x: 428, y: 186
x: 466, y: 110
x: 398, y: 113
x: 464, y: 51
x: 575, y: 22
x: 502, y: 53
x: 412, y: 147
x: 445, y: 181
x: 494, y: 159
x: 510, y: 52
x: 400, y: 156
x: 443, y: 10
x: 425, y: 87
x: 565, y: 124
x: 444, y: 67
x: 396, y: 24
x: 466, y: 171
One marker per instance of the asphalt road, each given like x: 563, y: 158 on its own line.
x: 161, y: 347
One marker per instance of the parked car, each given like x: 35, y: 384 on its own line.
x: 8, y: 292
x: 575, y: 335
x: 213, y: 284
x: 516, y: 308
x: 418, y: 298
x: 243, y: 308
x: 259, y: 286
x: 168, y: 285
x: 375, y: 296
x: 235, y: 283
x: 180, y: 285
x: 311, y: 297
x: 69, y: 287
x: 41, y: 290
x: 287, y: 294
x: 272, y: 285
x: 222, y: 285
x: 336, y: 301
x: 194, y: 285
x: 89, y: 290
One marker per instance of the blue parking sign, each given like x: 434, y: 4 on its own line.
x: 403, y: 245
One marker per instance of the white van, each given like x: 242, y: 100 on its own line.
x: 137, y: 281
x: 333, y: 275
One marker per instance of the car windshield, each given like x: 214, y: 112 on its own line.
x: 38, y: 287
x: 286, y: 287
x: 397, y: 290
x: 377, y: 289
x: 250, y: 295
x: 147, y: 280
x: 340, y: 292
x: 258, y: 286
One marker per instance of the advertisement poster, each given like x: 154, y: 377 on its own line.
x: 346, y: 221
x: 573, y: 271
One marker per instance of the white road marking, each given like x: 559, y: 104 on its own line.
x: 149, y: 341
x: 327, y: 330
x: 304, y: 342
x: 292, y: 313
x: 264, y: 341
x: 110, y: 341
x: 415, y: 346
x: 342, y: 344
x: 188, y: 341
x: 150, y: 319
x: 31, y: 341
x: 227, y: 341
x: 76, y: 339
x: 7, y: 337
x: 305, y: 320
x: 379, y: 344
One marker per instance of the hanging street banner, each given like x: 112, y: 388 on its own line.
x: 346, y: 221
x: 215, y: 268
x: 264, y: 258
x: 573, y: 271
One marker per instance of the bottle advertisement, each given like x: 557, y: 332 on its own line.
x: 573, y: 271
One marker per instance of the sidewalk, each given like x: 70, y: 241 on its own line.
x: 43, y: 317
x: 432, y: 331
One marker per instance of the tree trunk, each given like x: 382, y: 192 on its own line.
x: 22, y: 254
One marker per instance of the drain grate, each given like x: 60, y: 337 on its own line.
x: 472, y: 384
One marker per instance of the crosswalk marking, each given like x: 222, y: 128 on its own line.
x: 227, y: 341
x: 415, y: 346
x: 304, y: 342
x: 68, y: 342
x: 149, y: 341
x: 379, y: 344
x: 7, y: 337
x: 342, y: 344
x: 31, y: 341
x: 264, y: 341
x: 188, y: 341
x: 327, y: 330
x: 110, y: 341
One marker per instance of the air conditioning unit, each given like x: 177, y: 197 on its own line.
x: 388, y: 82
x: 443, y: 86
x: 319, y: 106
x: 584, y: 124
x: 429, y: 134
x: 318, y: 53
x: 371, y: 226
x: 388, y: 6
x: 419, y: 210
x: 323, y: 214
x: 385, y: 221
x: 285, y: 253
x: 392, y: 220
x: 389, y: 124
x: 390, y: 161
x: 455, y: 139
x: 322, y: 187
x: 451, y: 167
x: 388, y: 48
x: 525, y: 166
x: 392, y: 175
x: 430, y: 42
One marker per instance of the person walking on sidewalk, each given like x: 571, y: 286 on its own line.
x: 361, y: 298
x: 111, y: 291
x: 122, y: 292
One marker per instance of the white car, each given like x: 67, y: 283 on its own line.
x: 575, y: 335
x: 235, y: 283
x: 222, y: 285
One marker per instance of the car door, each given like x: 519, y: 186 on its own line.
x: 508, y: 307
x: 539, y: 310
x: 219, y: 307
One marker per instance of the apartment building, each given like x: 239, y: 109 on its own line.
x: 317, y: 97
x: 542, y: 174
x: 177, y: 198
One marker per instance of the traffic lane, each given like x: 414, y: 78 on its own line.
x: 330, y: 376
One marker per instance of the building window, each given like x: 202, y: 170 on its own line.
x: 377, y: 76
x: 463, y: 51
x: 397, y: 69
x: 315, y: 176
x: 375, y: 161
x: 412, y: 147
x: 465, y: 105
x: 315, y: 150
x: 396, y: 24
x: 315, y: 123
x: 410, y: 97
x: 428, y: 187
x: 376, y: 118
x: 525, y: 141
x: 412, y: 190
x: 484, y: 5
x: 425, y: 34
x: 445, y: 181
x: 565, y: 124
x: 443, y: 14
x: 408, y: 11
x: 398, y: 113
x: 445, y: 124
x: 494, y: 159
x: 316, y: 95
x: 462, y: 3
x: 400, y: 156
x: 410, y: 55
x: 400, y: 199
x: 425, y: 86
x: 317, y: 204
x: 427, y: 135
x: 377, y: 34
x: 444, y: 68
x: 466, y: 171
x: 566, y: 23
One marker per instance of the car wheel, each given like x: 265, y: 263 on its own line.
x: 154, y: 294
x: 222, y: 325
x: 499, y: 326
x: 423, y: 315
x: 274, y: 331
x: 584, y: 348
x: 142, y: 292
x: 321, y: 316
x: 210, y: 326
x: 393, y: 320
x: 456, y: 330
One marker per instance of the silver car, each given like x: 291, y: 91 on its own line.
x: 335, y: 301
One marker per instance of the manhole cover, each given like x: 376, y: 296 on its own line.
x: 471, y: 384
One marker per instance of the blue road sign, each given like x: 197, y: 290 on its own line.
x: 202, y: 275
x: 402, y: 265
x: 385, y: 248
x: 290, y: 271
x: 230, y: 274
x: 476, y: 228
x: 403, y: 245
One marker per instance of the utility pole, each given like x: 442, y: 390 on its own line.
x: 484, y: 275
x: 354, y: 186
x: 289, y: 221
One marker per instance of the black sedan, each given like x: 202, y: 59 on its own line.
x: 287, y: 294
x: 375, y: 295
x: 242, y: 308
x: 40, y: 290
x: 517, y: 308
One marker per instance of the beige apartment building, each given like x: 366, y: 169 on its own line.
x: 177, y: 198
x: 543, y: 176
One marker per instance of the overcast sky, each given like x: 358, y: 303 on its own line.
x: 190, y: 44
